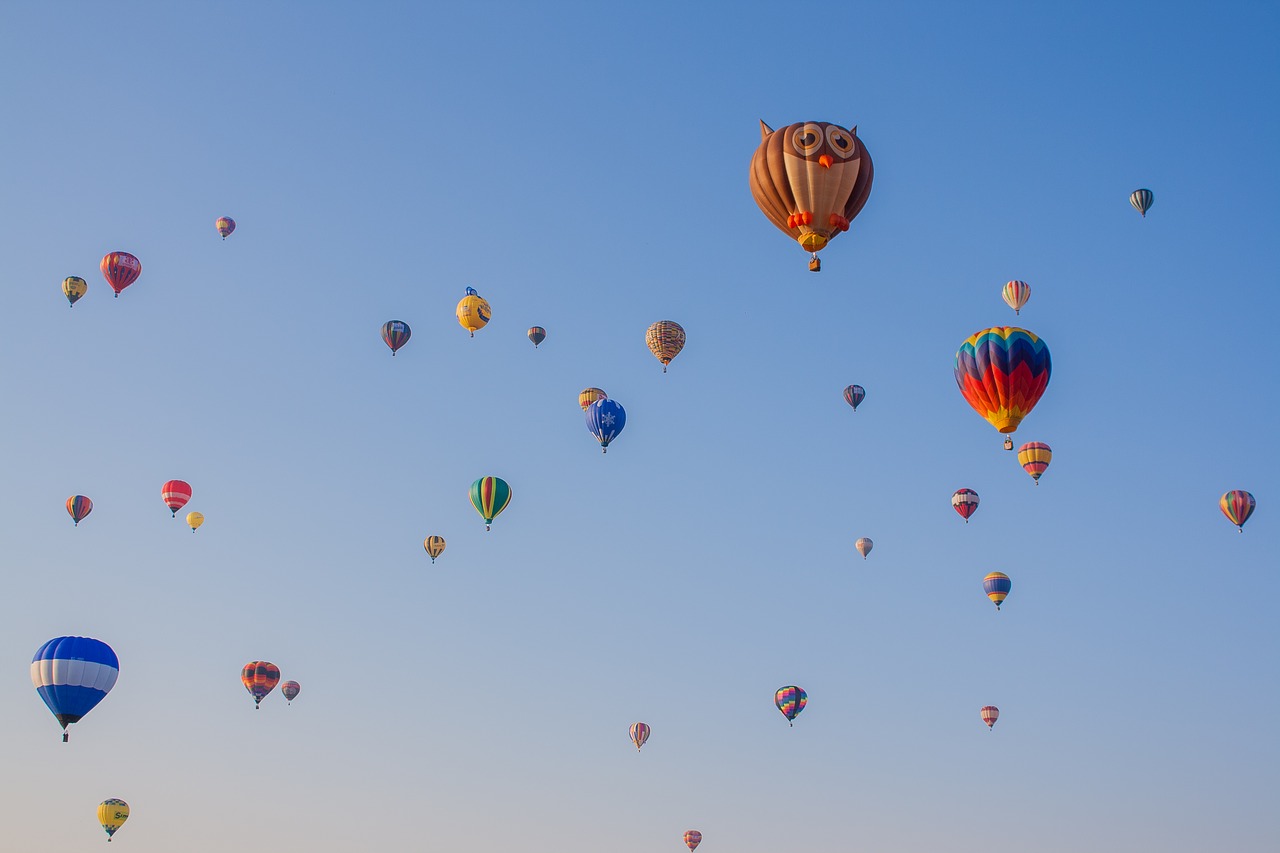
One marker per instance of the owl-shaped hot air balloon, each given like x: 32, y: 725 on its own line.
x: 665, y: 339
x: 73, y: 287
x: 120, y: 269
x: 811, y: 179
x: 1002, y: 373
x: 434, y: 546
x: 259, y: 678
x: 473, y: 311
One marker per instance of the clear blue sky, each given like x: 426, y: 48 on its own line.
x: 585, y: 168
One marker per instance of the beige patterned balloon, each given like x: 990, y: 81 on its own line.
x: 665, y: 339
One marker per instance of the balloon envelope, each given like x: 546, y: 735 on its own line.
x: 587, y: 396
x: 790, y: 701
x: 639, y: 734
x: 73, y: 287
x: 395, y: 333
x: 965, y: 502
x: 990, y: 713
x: 120, y: 269
x: 1237, y: 506
x: 259, y: 678
x: 78, y: 506
x: 605, y: 419
x: 1142, y: 200
x: 537, y: 334
x: 490, y: 496
x: 692, y: 839
x: 434, y: 546
x: 175, y: 494
x: 997, y: 585
x: 225, y: 226
x: 665, y: 339
x: 194, y: 520
x: 810, y: 179
x: 112, y: 814
x: 1016, y: 294
x: 1034, y: 457
x: 473, y: 312
x: 864, y: 546
x: 291, y: 689
x: 855, y: 394
x: 1002, y: 373
x: 72, y: 675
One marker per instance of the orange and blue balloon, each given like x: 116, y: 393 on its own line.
x: 692, y: 839
x: 790, y: 701
x: 1002, y: 373
x: 1237, y: 506
x: 997, y: 585
x: 605, y: 419
x: 259, y: 678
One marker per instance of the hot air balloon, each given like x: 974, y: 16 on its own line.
x: 490, y: 496
x: 965, y: 502
x: 112, y: 814
x: 72, y: 675
x: 811, y: 179
x: 396, y: 334
x: 1237, y: 506
x: 434, y: 546
x: 1002, y: 372
x: 473, y: 312
x: 73, y: 287
x: 790, y: 701
x: 1142, y: 200
x: 665, y: 339
x: 259, y: 678
x: 225, y: 226
x: 692, y: 839
x: 587, y: 396
x: 120, y: 269
x: 291, y: 689
x: 175, y: 494
x: 1034, y: 457
x: 639, y: 734
x: 864, y: 546
x: 78, y: 506
x: 990, y: 713
x: 605, y: 419
x: 1016, y: 294
x: 537, y: 334
x: 855, y: 394
x: 194, y: 520
x: 997, y: 585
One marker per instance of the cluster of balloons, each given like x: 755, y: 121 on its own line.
x: 260, y: 677
x: 174, y: 493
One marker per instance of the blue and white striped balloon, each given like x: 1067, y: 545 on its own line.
x: 72, y: 675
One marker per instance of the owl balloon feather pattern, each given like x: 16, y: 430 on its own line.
x: 811, y: 179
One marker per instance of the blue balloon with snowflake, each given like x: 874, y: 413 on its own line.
x: 605, y: 419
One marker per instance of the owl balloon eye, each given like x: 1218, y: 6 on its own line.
x: 807, y: 139
x: 841, y: 141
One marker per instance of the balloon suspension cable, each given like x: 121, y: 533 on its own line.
x: 64, y: 735
x: 664, y: 368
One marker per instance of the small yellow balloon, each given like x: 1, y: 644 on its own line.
x: 112, y: 814
x: 473, y: 312
x: 434, y: 546
x: 194, y: 520
x: 73, y: 287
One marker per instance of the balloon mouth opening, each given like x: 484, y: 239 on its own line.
x: 813, y: 241
x: 1007, y: 424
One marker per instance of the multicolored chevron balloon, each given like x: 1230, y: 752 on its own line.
x: 790, y: 701
x: 1002, y: 372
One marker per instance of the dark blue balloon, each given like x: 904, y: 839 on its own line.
x: 72, y: 675
x: 605, y: 419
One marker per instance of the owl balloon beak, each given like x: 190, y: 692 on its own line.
x: 825, y: 161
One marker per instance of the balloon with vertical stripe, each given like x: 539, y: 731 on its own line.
x: 639, y: 734
x: 1237, y: 506
x: 605, y: 419
x: 1142, y: 200
x: 997, y: 585
x: 72, y: 675
x: 112, y: 814
x: 790, y: 701
x: 434, y: 546
x: 587, y: 396
x: 490, y: 496
x: 78, y: 506
x: 73, y: 287
x: 120, y: 269
x: 396, y: 333
x: 1002, y: 373
x: 855, y: 394
x: 1016, y: 294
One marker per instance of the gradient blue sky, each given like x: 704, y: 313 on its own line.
x: 584, y: 167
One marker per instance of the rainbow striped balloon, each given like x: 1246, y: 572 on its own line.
x: 1237, y: 506
x: 1034, y: 457
x: 1016, y: 294
x: 790, y: 701
x: 1002, y: 373
x: 78, y: 506
x: 639, y: 734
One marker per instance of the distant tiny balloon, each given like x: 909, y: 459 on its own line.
x: 864, y: 546
x: 965, y: 502
x: 112, y: 814
x: 259, y: 678
x: 692, y: 839
x: 225, y: 226
x: 790, y: 701
x: 1142, y: 200
x: 175, y: 494
x: 194, y: 520
x: 990, y: 713
x: 587, y: 396
x: 639, y: 734
x: 537, y: 334
x: 1034, y: 457
x: 434, y: 546
x: 120, y: 269
x: 290, y: 689
x: 396, y: 333
x: 78, y: 506
x: 1016, y: 294
x: 605, y: 419
x: 73, y: 287
x: 855, y: 394
x: 997, y: 585
x: 1237, y: 506
x: 665, y: 339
